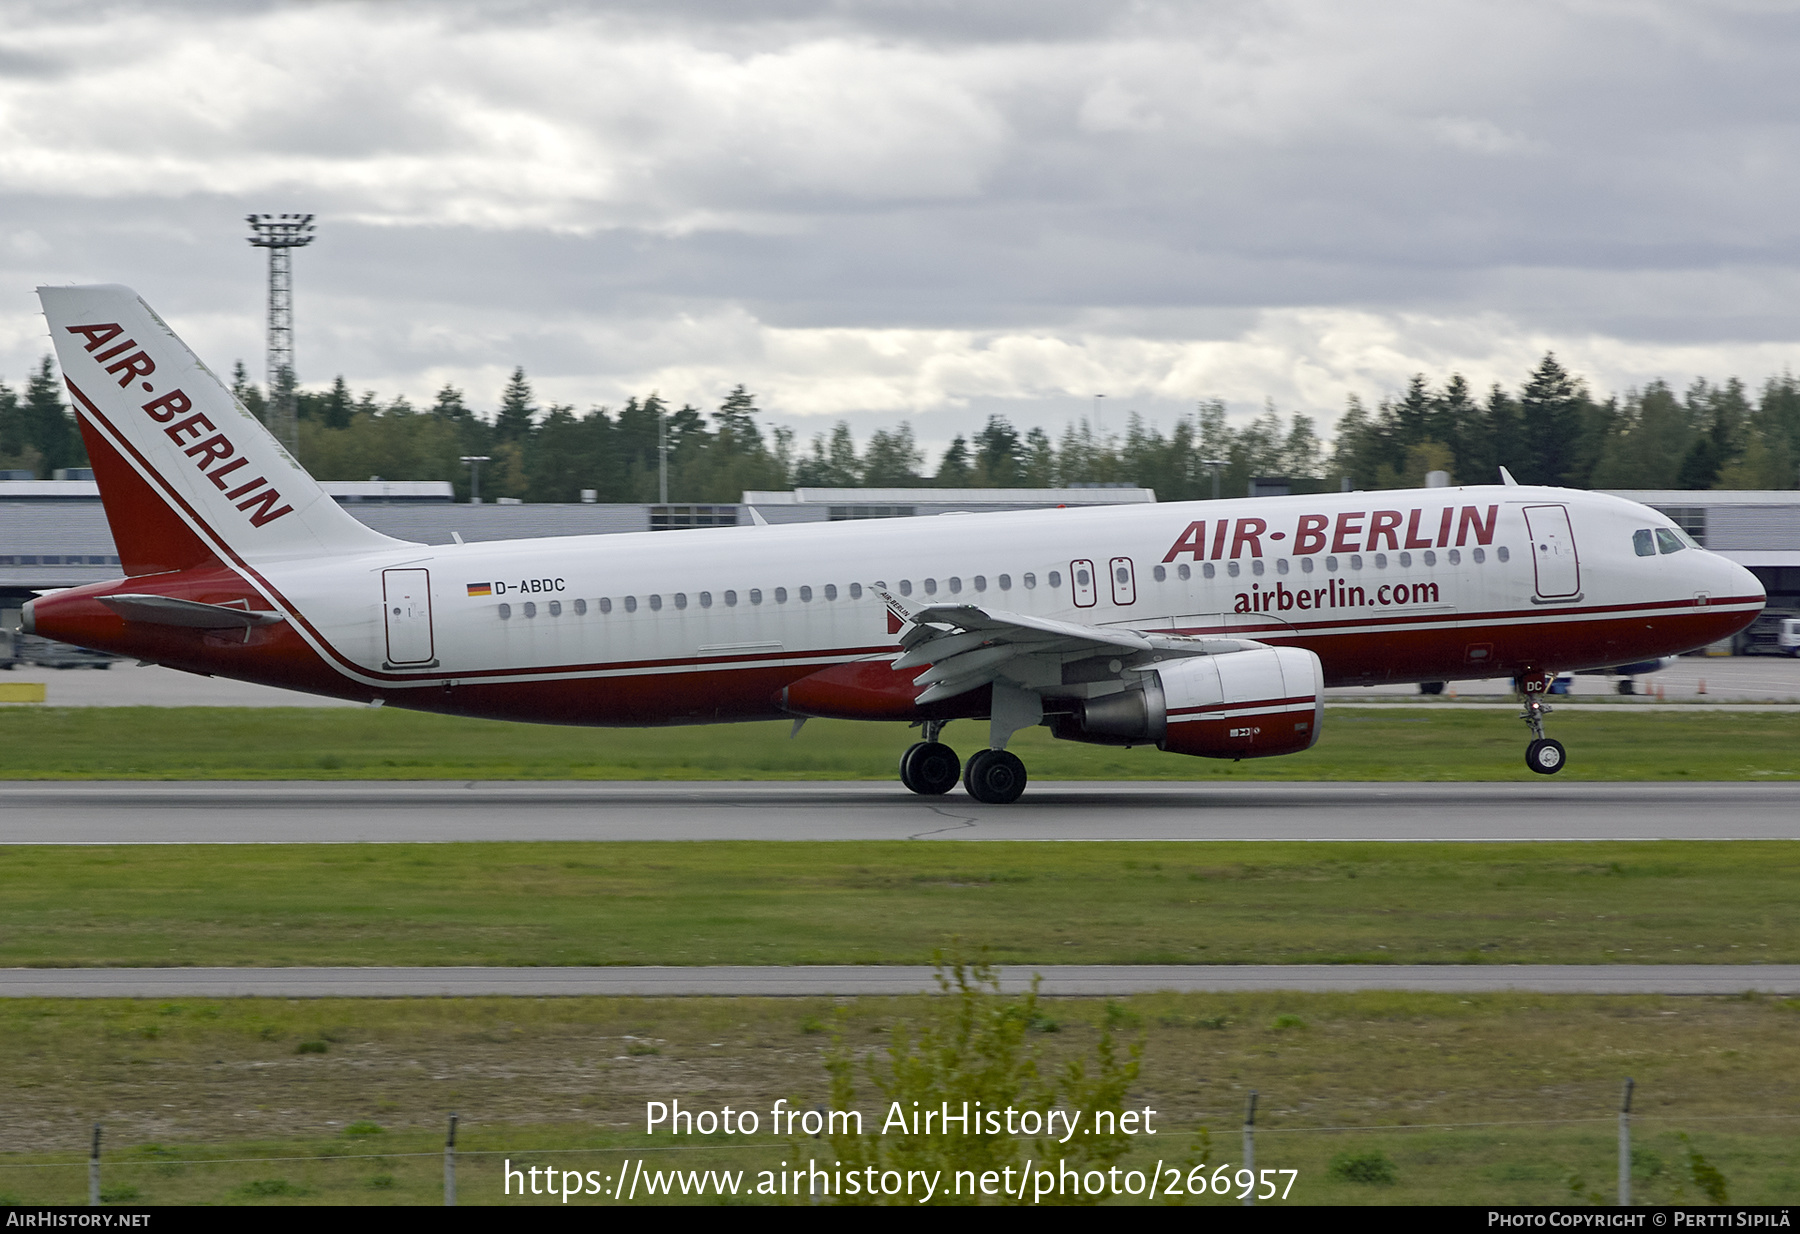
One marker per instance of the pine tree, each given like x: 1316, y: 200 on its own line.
x: 336, y: 407
x: 514, y: 420
x: 47, y: 423
x: 997, y: 454
x: 1551, y: 410
x: 953, y: 469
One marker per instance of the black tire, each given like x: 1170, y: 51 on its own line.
x: 1625, y: 686
x: 1431, y: 687
x: 930, y: 768
x: 1546, y: 756
x: 995, y: 777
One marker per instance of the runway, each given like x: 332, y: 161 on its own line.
x: 847, y: 980
x: 326, y: 812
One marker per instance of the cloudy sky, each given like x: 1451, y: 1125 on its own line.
x: 924, y: 209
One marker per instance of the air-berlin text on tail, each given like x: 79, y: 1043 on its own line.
x: 256, y: 498
x: 1353, y: 531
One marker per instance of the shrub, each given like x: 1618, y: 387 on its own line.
x: 1370, y: 1168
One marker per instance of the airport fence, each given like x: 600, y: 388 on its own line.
x: 1615, y: 1158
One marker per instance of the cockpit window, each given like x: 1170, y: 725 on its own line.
x: 1669, y: 540
x: 1644, y: 541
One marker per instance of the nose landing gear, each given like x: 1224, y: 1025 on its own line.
x: 1544, y: 755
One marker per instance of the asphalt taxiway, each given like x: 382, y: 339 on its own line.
x: 828, y: 980
x: 342, y: 812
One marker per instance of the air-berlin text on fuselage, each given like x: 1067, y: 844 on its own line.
x: 1352, y: 532
x: 255, y: 498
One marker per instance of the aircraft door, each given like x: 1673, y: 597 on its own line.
x: 1124, y: 581
x: 406, y: 596
x: 1553, y: 558
x: 1081, y: 582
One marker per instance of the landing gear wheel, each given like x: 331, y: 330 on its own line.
x: 994, y: 776
x: 1545, y: 756
x: 929, y: 768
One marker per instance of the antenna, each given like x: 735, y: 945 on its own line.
x: 281, y: 234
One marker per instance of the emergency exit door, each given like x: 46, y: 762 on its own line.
x: 406, y: 607
x: 1553, y: 551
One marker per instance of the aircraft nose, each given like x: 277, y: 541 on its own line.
x: 1739, y: 581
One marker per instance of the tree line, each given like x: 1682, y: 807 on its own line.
x: 1551, y: 431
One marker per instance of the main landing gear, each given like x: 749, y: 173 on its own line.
x: 930, y: 768
x: 1545, y: 755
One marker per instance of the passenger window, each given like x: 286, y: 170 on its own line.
x: 1281, y: 565
x: 656, y: 604
x: 981, y: 582
x: 1208, y: 569
x: 1256, y: 568
x: 530, y: 608
x: 581, y: 608
x: 1502, y: 553
x: 780, y: 595
x: 1331, y: 565
x: 955, y: 586
x: 1030, y: 581
x: 1480, y: 555
x: 856, y: 591
x: 806, y: 595
x: 1306, y: 565
x: 1159, y: 574
x: 706, y: 599
x: 605, y: 604
x: 756, y: 595
x: 906, y: 586
x: 1456, y: 556
x: 731, y: 599
x: 1232, y: 568
x: 1183, y: 573
x: 1668, y: 541
x: 556, y: 608
x: 1006, y: 582
x: 1055, y: 579
x: 1406, y: 561
x: 1430, y: 558
x: 1644, y: 542
x: 681, y: 599
x: 1381, y: 561
x: 931, y: 586
x: 506, y: 612
x: 831, y: 591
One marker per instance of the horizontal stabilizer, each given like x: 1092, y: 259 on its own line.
x: 168, y: 611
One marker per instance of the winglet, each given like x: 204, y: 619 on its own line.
x: 1506, y: 478
x: 901, y: 613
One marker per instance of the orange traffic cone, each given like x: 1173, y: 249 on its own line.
x: 1702, y: 687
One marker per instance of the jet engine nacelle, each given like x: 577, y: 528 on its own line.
x: 1245, y: 704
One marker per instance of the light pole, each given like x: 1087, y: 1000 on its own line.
x: 1099, y: 426
x: 475, y: 461
x: 281, y: 234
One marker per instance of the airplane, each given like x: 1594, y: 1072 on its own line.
x: 1203, y: 628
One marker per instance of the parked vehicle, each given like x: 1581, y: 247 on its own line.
x: 1772, y: 633
x: 33, y: 649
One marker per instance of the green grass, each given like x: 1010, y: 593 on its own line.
x: 209, y: 743
x: 1481, y: 1099
x: 574, y: 903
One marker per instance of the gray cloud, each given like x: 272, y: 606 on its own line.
x: 906, y: 207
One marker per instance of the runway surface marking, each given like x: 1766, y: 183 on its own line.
x: 840, y: 980
x: 351, y: 812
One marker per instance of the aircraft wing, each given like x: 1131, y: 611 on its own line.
x: 965, y: 646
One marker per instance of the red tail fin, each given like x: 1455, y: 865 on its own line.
x: 150, y: 536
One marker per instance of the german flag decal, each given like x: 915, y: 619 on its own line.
x: 481, y: 589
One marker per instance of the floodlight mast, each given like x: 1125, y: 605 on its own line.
x: 281, y: 234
